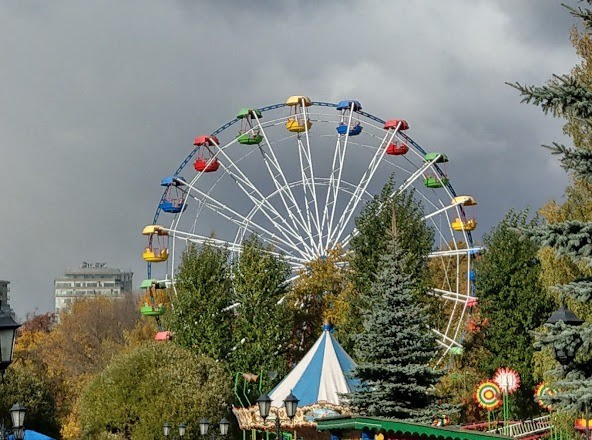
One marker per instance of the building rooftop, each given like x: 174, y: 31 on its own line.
x: 93, y: 268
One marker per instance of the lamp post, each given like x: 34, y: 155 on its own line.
x: 8, y: 327
x: 566, y: 356
x: 17, y: 416
x: 204, y: 424
x: 264, y: 403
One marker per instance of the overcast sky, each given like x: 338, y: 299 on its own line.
x: 100, y: 100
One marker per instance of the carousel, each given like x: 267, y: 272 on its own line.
x: 312, y: 391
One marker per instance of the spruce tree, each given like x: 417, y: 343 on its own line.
x: 396, y: 346
x: 569, y: 96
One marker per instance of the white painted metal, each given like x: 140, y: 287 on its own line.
x: 303, y: 203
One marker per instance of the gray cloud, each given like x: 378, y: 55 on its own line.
x: 101, y: 100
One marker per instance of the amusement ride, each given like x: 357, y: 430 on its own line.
x: 297, y: 174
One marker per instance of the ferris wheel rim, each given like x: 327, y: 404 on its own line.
x: 457, y: 298
x: 370, y: 116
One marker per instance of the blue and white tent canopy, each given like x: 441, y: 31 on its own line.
x: 320, y: 377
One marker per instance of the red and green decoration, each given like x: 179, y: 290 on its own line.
x: 541, y: 391
x: 488, y: 395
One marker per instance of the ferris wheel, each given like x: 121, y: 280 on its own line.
x: 297, y: 174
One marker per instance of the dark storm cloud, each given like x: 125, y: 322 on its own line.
x: 101, y: 100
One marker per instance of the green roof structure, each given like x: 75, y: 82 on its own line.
x: 401, y: 428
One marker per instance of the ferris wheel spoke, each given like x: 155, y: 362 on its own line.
x: 308, y: 175
x: 441, y: 210
x: 221, y: 244
x: 253, y: 193
x: 335, y: 177
x: 281, y: 183
x: 450, y: 295
x: 362, y: 185
x: 222, y: 209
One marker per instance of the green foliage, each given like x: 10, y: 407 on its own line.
x: 512, y: 300
x: 570, y: 96
x: 322, y: 292
x: 396, y: 346
x: 370, y: 244
x: 374, y: 225
x: 262, y: 324
x: 152, y: 384
x: 21, y: 384
x: 199, y: 316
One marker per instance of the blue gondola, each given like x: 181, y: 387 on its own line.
x: 347, y: 105
x: 354, y: 131
x: 173, y: 200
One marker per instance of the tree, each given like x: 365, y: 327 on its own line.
x: 322, y: 292
x: 396, y: 346
x: 569, y: 96
x: 199, y: 315
x: 151, y: 384
x: 374, y: 225
x: 23, y: 384
x: 262, y: 324
x: 371, y: 242
x: 88, y: 335
x: 512, y: 300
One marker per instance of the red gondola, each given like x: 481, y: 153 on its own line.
x: 391, y: 124
x: 206, y: 162
x: 397, y: 148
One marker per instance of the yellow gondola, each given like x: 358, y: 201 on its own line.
x: 459, y: 225
x: 154, y: 229
x: 464, y: 200
x: 155, y: 255
x: 156, y: 251
x: 298, y: 100
x: 297, y: 123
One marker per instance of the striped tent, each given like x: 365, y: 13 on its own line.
x: 320, y: 377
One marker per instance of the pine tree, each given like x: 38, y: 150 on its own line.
x: 374, y: 229
x: 569, y: 96
x: 397, y: 345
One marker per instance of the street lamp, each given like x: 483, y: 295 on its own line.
x: 8, y: 327
x: 166, y: 429
x: 204, y: 425
x: 17, y: 415
x: 291, y: 403
x: 565, y: 356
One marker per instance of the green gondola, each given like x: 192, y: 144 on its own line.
x: 434, y: 182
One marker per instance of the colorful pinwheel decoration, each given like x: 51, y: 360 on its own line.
x: 541, y: 390
x: 488, y: 395
x: 507, y: 379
